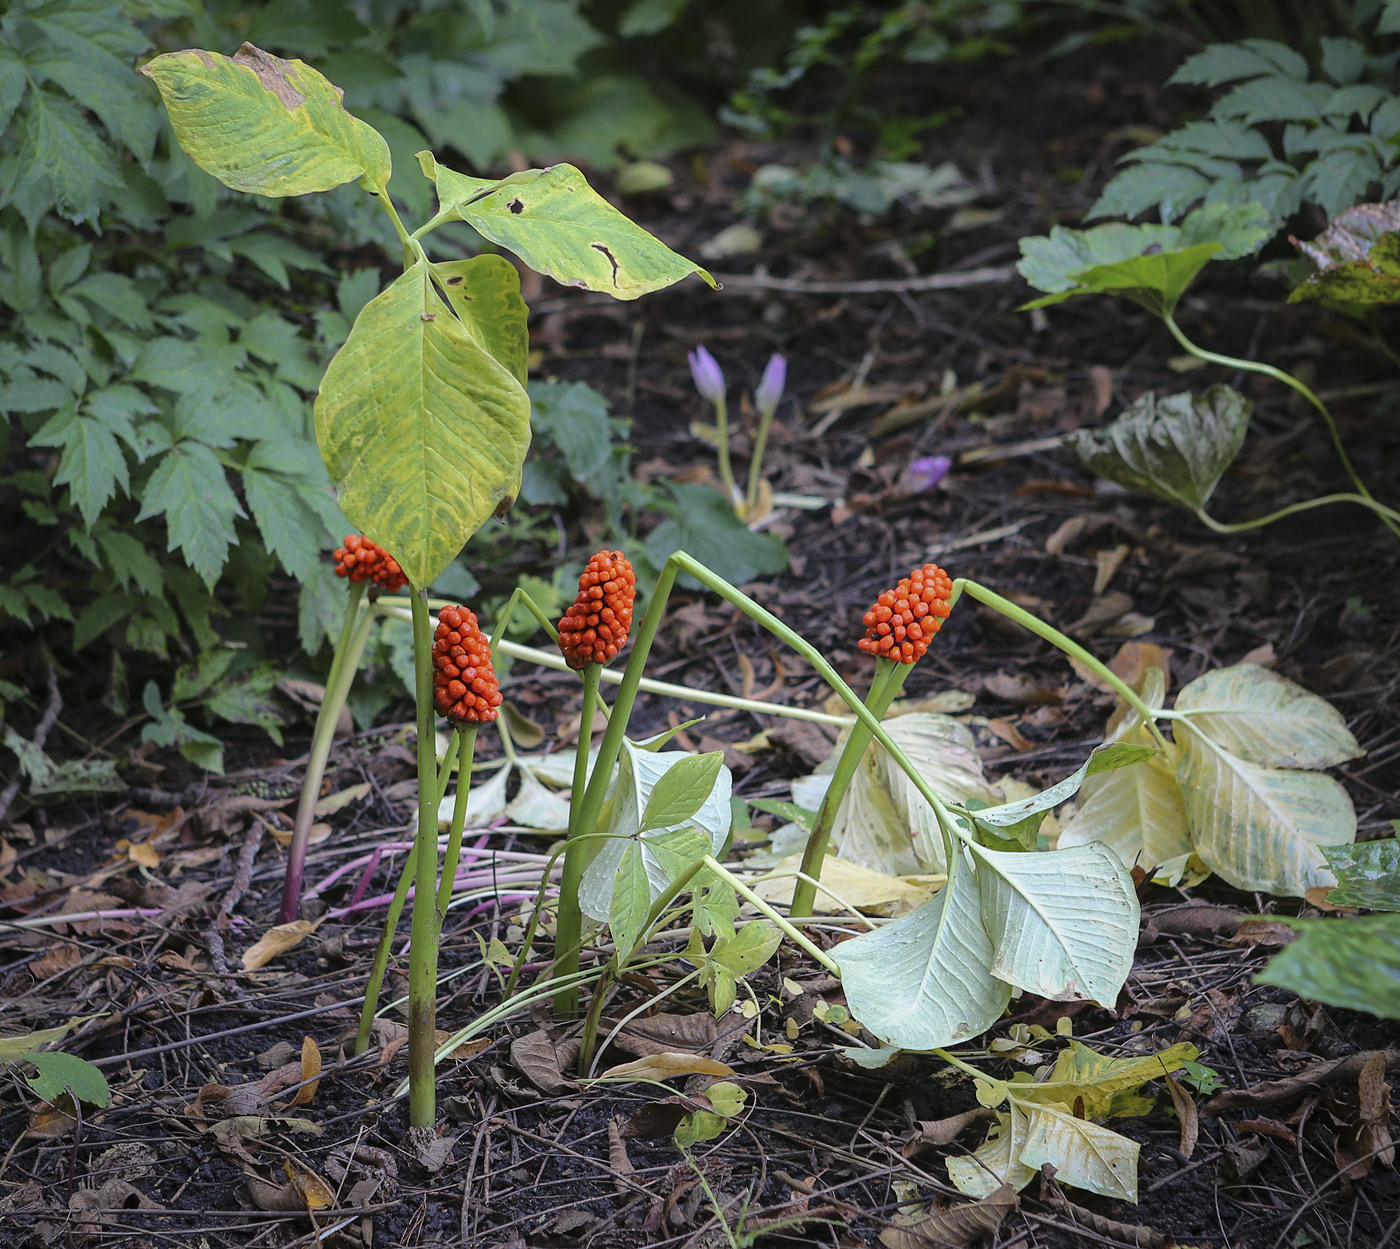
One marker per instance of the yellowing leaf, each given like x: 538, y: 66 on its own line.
x: 141, y: 852
x: 310, y: 1069
x: 998, y: 1160
x: 332, y: 803
x: 277, y: 941
x: 1083, y: 1154
x: 860, y: 887
x: 12, y: 1047
x: 1083, y: 1074
x: 665, y: 1066
x: 311, y: 1190
x: 422, y: 429
x: 262, y: 124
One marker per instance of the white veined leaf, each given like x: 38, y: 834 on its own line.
x: 639, y: 770
x: 1267, y: 719
x: 998, y: 1160
x: 537, y: 806
x: 1257, y: 827
x: 1084, y: 1154
x: 925, y: 979
x: 883, y: 822
x: 1063, y: 924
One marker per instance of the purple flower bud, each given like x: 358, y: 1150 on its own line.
x: 926, y: 472
x: 709, y: 377
x: 770, y: 389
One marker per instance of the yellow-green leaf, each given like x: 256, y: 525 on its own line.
x: 484, y: 292
x: 265, y: 125
x: 1081, y: 1072
x: 1094, y: 1158
x: 561, y: 227
x: 422, y: 429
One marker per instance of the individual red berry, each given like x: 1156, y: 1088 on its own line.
x: 595, y: 628
x: 464, y: 682
x: 903, y: 621
x: 362, y: 560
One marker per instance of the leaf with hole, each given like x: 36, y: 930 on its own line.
x: 1175, y: 448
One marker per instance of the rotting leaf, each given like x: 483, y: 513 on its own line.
x: 277, y: 941
x: 957, y: 1227
x: 667, y: 1066
x: 1357, y: 259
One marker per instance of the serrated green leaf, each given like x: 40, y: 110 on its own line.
x: 1065, y: 944
x: 422, y: 430
x: 130, y: 561
x: 925, y: 979
x: 681, y: 791
x: 555, y: 222
x: 1267, y: 719
x: 92, y: 465
x: 1175, y: 448
x: 190, y: 490
x: 13, y: 81
x: 1166, y: 185
x: 1257, y: 827
x: 575, y: 417
x: 62, y: 163
x: 1353, y: 963
x: 484, y: 292
x: 60, y: 1073
x: 289, y: 528
x: 1368, y: 874
x: 1229, y: 62
x: 262, y: 124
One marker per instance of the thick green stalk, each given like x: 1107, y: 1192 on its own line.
x: 1268, y: 370
x: 889, y: 678
x: 381, y: 952
x: 423, y: 934
x: 348, y: 649
x: 568, y: 932
x: 466, y: 735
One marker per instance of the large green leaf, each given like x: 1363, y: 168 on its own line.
x: 422, y: 429
x: 1368, y: 874
x: 265, y: 125
x: 925, y: 980
x: 1175, y: 448
x: 1267, y: 719
x: 560, y: 226
x: 484, y: 292
x: 1357, y: 259
x: 1261, y: 828
x: 1149, y: 264
x: 1064, y: 924
x: 1353, y: 963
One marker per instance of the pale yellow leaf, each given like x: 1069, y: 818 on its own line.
x: 277, y: 941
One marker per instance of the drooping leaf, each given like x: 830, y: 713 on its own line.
x: 998, y: 1160
x: 1176, y: 448
x: 561, y: 227
x: 265, y: 125
x: 1083, y: 1075
x: 1084, y: 1154
x: 1257, y: 827
x: 422, y: 430
x: 1368, y: 874
x: 1064, y: 943
x: 1267, y: 719
x: 1353, y: 963
x: 925, y: 980
x: 60, y: 1073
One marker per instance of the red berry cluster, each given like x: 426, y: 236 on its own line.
x: 595, y: 628
x: 903, y: 621
x: 363, y: 560
x: 464, y: 682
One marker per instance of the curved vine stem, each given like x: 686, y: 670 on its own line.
x: 1386, y: 514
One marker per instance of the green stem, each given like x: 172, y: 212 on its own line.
x: 1059, y: 640
x: 423, y: 947
x: 760, y: 447
x: 889, y: 677
x: 793, y: 933
x: 533, y: 926
x: 382, y: 195
x: 354, y: 633
x: 466, y: 735
x: 1268, y: 370
x: 444, y: 776
x: 1307, y: 505
x: 726, y: 470
x: 568, y: 932
x: 381, y: 953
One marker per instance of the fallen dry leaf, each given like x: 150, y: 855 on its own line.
x: 543, y: 1061
x: 310, y: 1069
x: 956, y: 1227
x: 277, y: 941
x: 141, y: 852
x: 665, y: 1066
x: 1010, y: 734
x: 1186, y: 1114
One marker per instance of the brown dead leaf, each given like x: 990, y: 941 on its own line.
x: 1021, y: 689
x: 1104, y: 610
x: 664, y: 1032
x: 1107, y: 562
x: 1186, y: 1114
x: 51, y: 1119
x: 934, y: 1133
x: 1262, y: 656
x: 1370, y: 1140
x: 1101, y: 379
x: 1194, y: 919
x: 543, y: 1061
x: 617, y: 1156
x: 59, y: 959
x: 304, y: 1192
x: 1291, y: 1088
x: 141, y: 852
x: 431, y: 1151
x: 658, y: 1118
x: 956, y: 1227
x: 1010, y: 734
x: 310, y: 1069
x: 1133, y: 661
x: 277, y: 941
x: 666, y: 1066
x: 1263, y: 935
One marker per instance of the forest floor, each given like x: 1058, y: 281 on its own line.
x: 203, y: 1057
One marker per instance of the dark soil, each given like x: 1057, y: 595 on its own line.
x: 826, y: 1145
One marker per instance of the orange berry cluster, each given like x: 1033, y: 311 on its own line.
x: 464, y: 682
x: 595, y: 628
x: 363, y: 560
x: 903, y: 621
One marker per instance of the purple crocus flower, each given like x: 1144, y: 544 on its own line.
x: 709, y: 377
x: 770, y: 389
x: 926, y: 472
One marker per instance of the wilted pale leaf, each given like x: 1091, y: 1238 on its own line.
x: 1267, y: 719
x: 1084, y: 1075
x: 925, y: 980
x: 1063, y: 924
x: 1261, y: 828
x: 1085, y: 1155
x: 14, y: 1047
x: 998, y: 1160
x: 277, y: 941
x: 856, y: 886
x: 666, y: 1066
